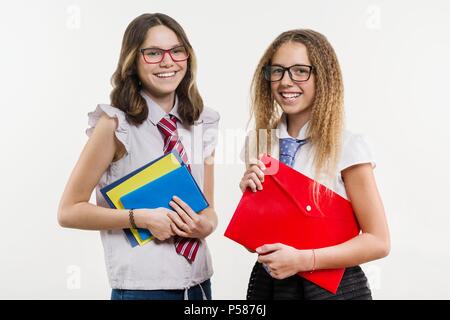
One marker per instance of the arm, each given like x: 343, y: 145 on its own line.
x: 75, y: 211
x: 373, y: 243
x: 189, y: 224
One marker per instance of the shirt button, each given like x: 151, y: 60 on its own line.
x: 308, y: 208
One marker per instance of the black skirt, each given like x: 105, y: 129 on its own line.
x: 262, y: 286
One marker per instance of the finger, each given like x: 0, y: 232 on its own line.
x: 258, y: 172
x: 178, y: 221
x: 185, y: 207
x: 268, y: 248
x: 262, y: 259
x: 177, y: 231
x: 269, y: 259
x: 265, y: 259
x: 261, y: 165
x: 256, y: 180
x: 250, y: 184
x: 168, y: 211
x: 242, y: 186
x: 181, y: 213
x: 258, y: 167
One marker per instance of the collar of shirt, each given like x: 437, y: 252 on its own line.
x: 283, y: 133
x: 156, y: 113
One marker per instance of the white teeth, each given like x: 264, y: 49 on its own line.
x: 165, y: 75
x: 290, y: 95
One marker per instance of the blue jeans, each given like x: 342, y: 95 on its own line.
x: 194, y: 293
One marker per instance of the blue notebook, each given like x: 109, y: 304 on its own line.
x: 136, y: 179
x: 159, y: 192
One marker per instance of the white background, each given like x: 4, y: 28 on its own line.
x: 57, y: 58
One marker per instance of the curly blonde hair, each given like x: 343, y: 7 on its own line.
x: 327, y: 110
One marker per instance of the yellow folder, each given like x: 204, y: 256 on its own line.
x: 136, y: 179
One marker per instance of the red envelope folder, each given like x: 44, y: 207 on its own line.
x: 284, y: 212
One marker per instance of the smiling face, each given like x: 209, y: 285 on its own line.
x: 293, y: 97
x: 161, y: 79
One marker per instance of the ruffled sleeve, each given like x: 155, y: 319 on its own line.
x: 210, y: 119
x: 122, y: 124
x: 356, y: 150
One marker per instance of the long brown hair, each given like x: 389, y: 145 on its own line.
x: 125, y: 81
x: 327, y: 113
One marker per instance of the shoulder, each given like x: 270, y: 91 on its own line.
x: 355, y: 150
x: 107, y: 109
x: 107, y: 123
x: 209, y: 116
x: 109, y: 114
x: 109, y: 120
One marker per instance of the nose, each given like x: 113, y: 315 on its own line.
x: 167, y: 60
x: 286, y: 79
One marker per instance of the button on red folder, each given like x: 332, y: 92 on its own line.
x: 285, y: 212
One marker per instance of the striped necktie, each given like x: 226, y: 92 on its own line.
x: 187, y: 247
x: 289, y: 148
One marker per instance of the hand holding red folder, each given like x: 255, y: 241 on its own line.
x: 284, y: 212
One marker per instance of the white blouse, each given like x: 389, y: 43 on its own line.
x: 355, y: 150
x: 155, y: 265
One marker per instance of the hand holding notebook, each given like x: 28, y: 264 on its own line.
x: 126, y: 192
x: 160, y: 192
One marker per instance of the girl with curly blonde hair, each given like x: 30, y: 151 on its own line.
x: 298, y: 110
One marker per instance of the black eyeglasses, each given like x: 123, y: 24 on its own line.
x: 156, y: 55
x: 297, y: 72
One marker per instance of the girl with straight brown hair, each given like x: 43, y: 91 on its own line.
x: 155, y: 108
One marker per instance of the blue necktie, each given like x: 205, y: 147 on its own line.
x: 288, y: 149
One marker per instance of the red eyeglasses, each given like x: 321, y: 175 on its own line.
x: 156, y: 55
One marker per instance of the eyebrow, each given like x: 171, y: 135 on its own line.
x: 155, y: 47
x: 296, y: 64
